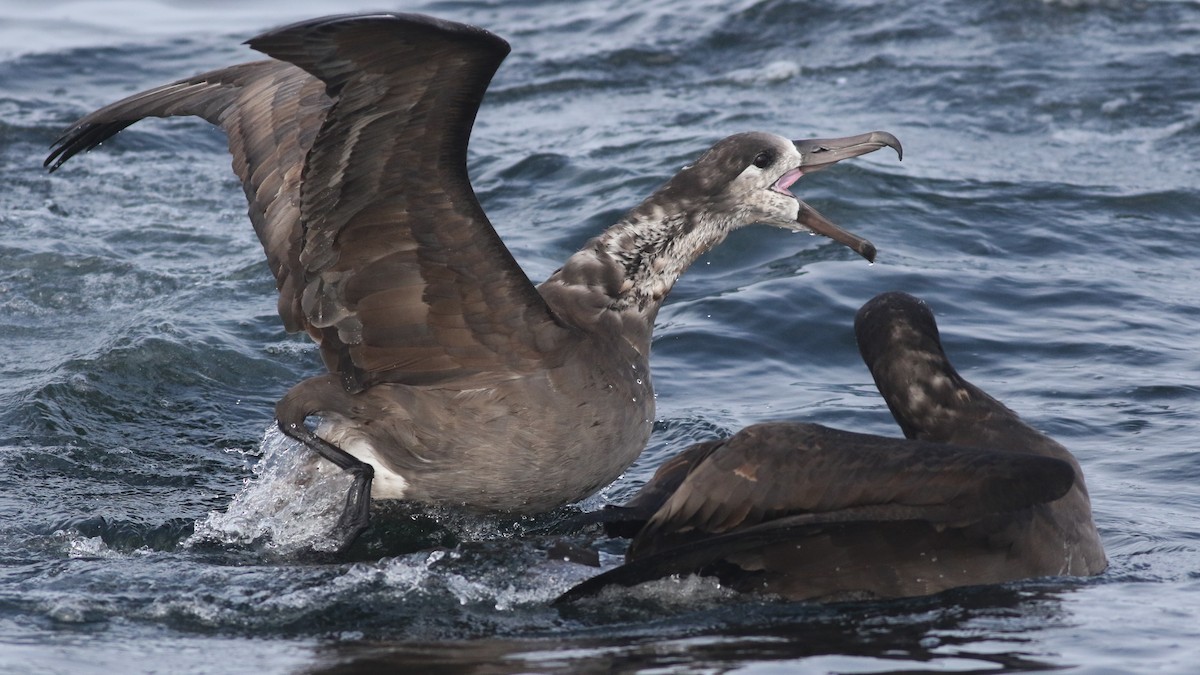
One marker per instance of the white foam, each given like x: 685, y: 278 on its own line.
x: 292, y: 502
x: 82, y: 546
x: 775, y: 71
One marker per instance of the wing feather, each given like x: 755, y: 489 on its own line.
x: 352, y: 148
x: 271, y: 112
x: 779, y: 470
x: 405, y: 276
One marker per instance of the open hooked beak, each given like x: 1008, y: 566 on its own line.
x: 821, y: 153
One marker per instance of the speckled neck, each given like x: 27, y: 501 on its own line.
x: 632, y: 266
x: 654, y: 246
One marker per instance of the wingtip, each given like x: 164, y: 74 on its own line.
x: 65, y: 147
x: 58, y: 155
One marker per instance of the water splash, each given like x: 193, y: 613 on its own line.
x: 291, y: 504
x: 78, y: 545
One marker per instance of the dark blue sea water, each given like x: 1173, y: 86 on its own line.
x: 1048, y: 208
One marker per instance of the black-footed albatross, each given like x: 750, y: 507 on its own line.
x: 452, y: 378
x: 974, y: 496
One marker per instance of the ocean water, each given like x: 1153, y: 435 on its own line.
x: 1048, y: 208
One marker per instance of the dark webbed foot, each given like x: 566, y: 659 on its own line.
x: 356, y: 515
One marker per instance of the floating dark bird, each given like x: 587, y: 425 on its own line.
x: 453, y: 379
x: 974, y: 496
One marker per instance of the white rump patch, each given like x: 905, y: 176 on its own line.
x: 387, y: 484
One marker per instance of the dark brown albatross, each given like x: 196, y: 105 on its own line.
x: 452, y: 379
x: 974, y: 496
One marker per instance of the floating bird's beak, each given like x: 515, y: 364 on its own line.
x: 820, y: 153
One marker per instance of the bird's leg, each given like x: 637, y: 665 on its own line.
x: 357, y: 514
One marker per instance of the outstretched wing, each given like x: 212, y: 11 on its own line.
x: 774, y: 471
x: 270, y: 112
x: 390, y: 262
x: 407, y: 279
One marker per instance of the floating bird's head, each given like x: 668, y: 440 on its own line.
x: 751, y: 175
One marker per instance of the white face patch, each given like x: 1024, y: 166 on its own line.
x: 764, y: 191
x: 762, y: 203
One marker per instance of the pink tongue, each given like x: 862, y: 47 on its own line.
x: 785, y: 181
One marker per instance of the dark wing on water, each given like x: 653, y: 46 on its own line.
x: 390, y: 262
x: 826, y: 500
x: 768, y: 472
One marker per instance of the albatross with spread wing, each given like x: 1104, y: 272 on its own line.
x: 452, y: 378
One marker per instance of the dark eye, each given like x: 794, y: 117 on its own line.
x: 764, y: 159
